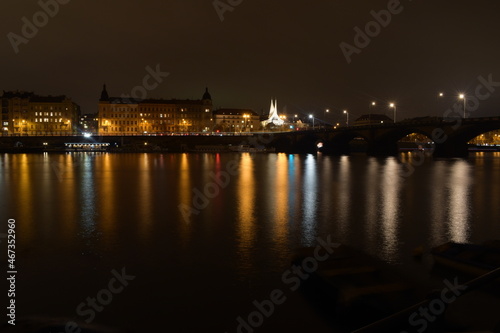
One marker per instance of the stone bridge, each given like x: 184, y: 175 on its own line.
x: 450, y: 136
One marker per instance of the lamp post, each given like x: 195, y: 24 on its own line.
x: 440, y: 98
x: 393, y: 105
x: 371, y: 110
x: 462, y: 96
x: 347, y: 114
x: 311, y: 116
x: 246, y: 116
x: 283, y: 118
x: 324, y: 116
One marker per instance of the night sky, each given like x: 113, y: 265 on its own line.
x: 262, y: 49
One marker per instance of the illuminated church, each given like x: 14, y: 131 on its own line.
x: 274, y: 118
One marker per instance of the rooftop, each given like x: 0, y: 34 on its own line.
x: 235, y: 112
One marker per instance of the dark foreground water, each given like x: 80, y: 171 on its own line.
x: 197, y: 251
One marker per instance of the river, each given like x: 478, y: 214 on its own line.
x: 201, y: 236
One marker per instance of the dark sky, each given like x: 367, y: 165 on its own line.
x: 284, y: 49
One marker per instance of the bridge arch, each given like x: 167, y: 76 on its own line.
x: 339, y: 143
x: 396, y: 134
x: 491, y: 137
x: 468, y: 133
x: 387, y: 142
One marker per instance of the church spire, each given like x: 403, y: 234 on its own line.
x: 207, y: 95
x: 104, y: 94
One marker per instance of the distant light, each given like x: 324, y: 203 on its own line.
x: 345, y: 111
x: 391, y: 105
x: 462, y: 96
x: 87, y: 135
x: 373, y: 103
x: 441, y: 94
x: 310, y: 116
x: 320, y: 145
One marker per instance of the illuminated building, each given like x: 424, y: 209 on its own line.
x: 274, y: 118
x: 88, y: 123
x: 129, y: 116
x: 24, y: 113
x: 236, y: 120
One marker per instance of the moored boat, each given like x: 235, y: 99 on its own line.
x: 472, y: 259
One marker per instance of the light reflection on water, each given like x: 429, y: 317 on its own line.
x: 246, y: 214
x: 438, y: 203
x: 310, y: 204
x: 123, y: 210
x: 275, y: 203
x: 390, y: 188
x: 371, y: 215
x: 344, y: 192
x: 459, y: 187
x: 88, y: 216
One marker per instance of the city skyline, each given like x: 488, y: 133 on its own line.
x: 310, y: 57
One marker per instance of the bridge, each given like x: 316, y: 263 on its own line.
x: 450, y: 136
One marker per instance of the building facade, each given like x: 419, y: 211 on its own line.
x: 88, y: 123
x: 125, y: 116
x: 236, y: 120
x: 24, y: 113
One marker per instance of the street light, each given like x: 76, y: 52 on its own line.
x: 246, y: 116
x: 441, y: 94
x: 392, y: 105
x: 324, y: 115
x: 347, y: 113
x: 311, y: 116
x: 462, y: 96
x: 371, y: 110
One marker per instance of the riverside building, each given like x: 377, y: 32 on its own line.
x: 25, y: 113
x: 129, y: 116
